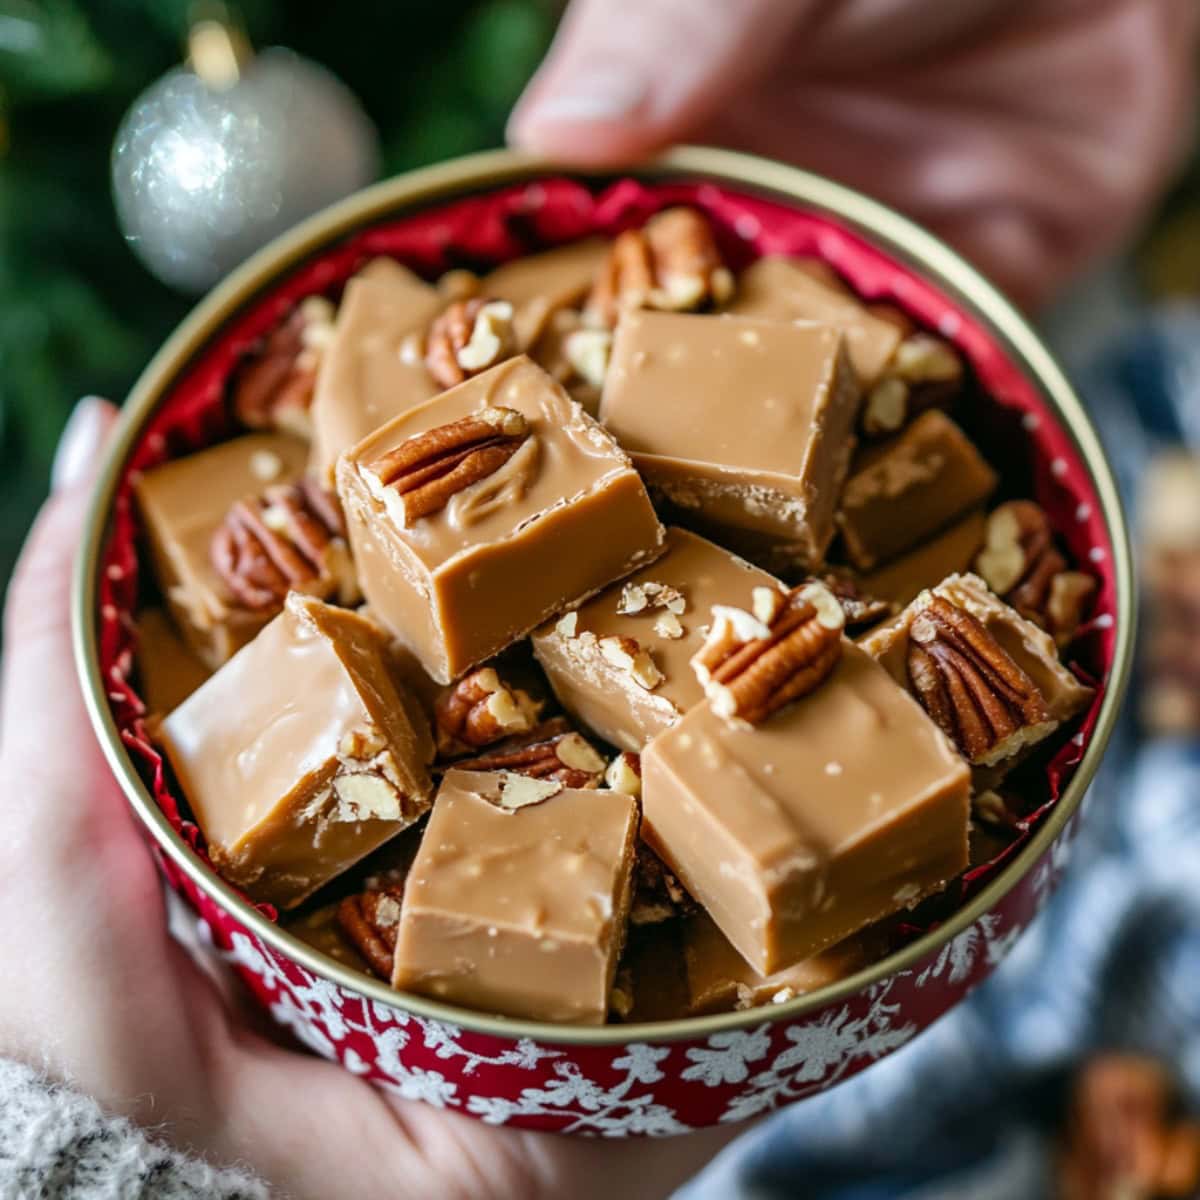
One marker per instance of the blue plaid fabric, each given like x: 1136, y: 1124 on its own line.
x: 1113, y: 962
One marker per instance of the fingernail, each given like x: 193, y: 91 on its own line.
x: 79, y: 445
x: 608, y: 95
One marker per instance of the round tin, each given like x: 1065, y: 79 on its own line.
x: 619, y: 1080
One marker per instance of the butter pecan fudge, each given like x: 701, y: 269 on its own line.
x: 483, y: 512
x: 769, y: 466
x: 903, y: 369
x: 182, y: 504
x: 809, y: 796
x: 299, y: 757
x: 720, y: 980
x: 621, y: 662
x: 903, y: 491
x: 517, y: 899
x: 373, y: 367
x: 168, y: 671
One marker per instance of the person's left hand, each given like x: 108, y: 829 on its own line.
x: 97, y: 994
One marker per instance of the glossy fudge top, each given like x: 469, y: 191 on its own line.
x: 565, y: 455
x: 731, y: 392
x: 549, y: 866
x: 785, y: 290
x: 373, y: 367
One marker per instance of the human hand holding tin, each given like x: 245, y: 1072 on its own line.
x: 98, y: 995
x: 1030, y: 136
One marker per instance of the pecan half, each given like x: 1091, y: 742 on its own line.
x: 273, y: 386
x: 967, y: 682
x: 480, y: 709
x: 289, y: 538
x: 467, y: 337
x: 657, y: 895
x: 370, y: 922
x: 752, y: 664
x: 671, y: 263
x: 860, y: 608
x: 428, y: 469
x: 567, y: 759
x: 1020, y: 563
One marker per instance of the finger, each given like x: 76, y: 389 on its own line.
x: 625, y: 77
x: 40, y: 705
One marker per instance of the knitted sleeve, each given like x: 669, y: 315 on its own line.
x: 55, y: 1142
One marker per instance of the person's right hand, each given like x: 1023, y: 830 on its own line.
x: 1031, y: 134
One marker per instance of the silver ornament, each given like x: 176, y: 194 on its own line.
x: 203, y: 176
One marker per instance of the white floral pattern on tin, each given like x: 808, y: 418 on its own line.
x: 820, y: 1052
x: 610, y: 1112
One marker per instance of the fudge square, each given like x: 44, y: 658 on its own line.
x: 517, y: 900
x: 182, y: 502
x: 621, y: 662
x: 805, y: 289
x: 483, y: 512
x: 374, y: 366
x: 720, y: 980
x: 744, y: 424
x: 831, y: 813
x: 299, y: 756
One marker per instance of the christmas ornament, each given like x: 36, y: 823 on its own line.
x: 218, y: 157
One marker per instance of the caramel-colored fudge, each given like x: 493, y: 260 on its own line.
x: 1000, y: 724
x: 663, y: 608
x: 947, y: 553
x: 745, y: 425
x: 516, y: 905
x: 373, y: 368
x: 720, y: 980
x: 320, y: 930
x: 299, y: 757
x: 910, y: 488
x: 787, y: 290
x: 182, y: 503
x: 836, y: 811
x: 168, y: 672
x: 539, y: 285
x: 480, y: 514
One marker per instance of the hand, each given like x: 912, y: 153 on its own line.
x: 1031, y: 135
x: 96, y: 993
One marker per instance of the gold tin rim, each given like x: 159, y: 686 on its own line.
x: 485, y: 172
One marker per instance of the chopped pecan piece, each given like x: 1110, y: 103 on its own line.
x: 860, y: 608
x: 566, y: 758
x: 467, y: 337
x: 370, y: 922
x: 428, y: 469
x: 626, y: 654
x: 624, y: 774
x: 657, y: 895
x: 967, y: 682
x: 753, y: 664
x: 289, y: 538
x: 1020, y: 563
x: 480, y: 709
x: 671, y: 263
x: 273, y: 386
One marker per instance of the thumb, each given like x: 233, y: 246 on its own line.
x: 40, y: 692
x: 625, y: 77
